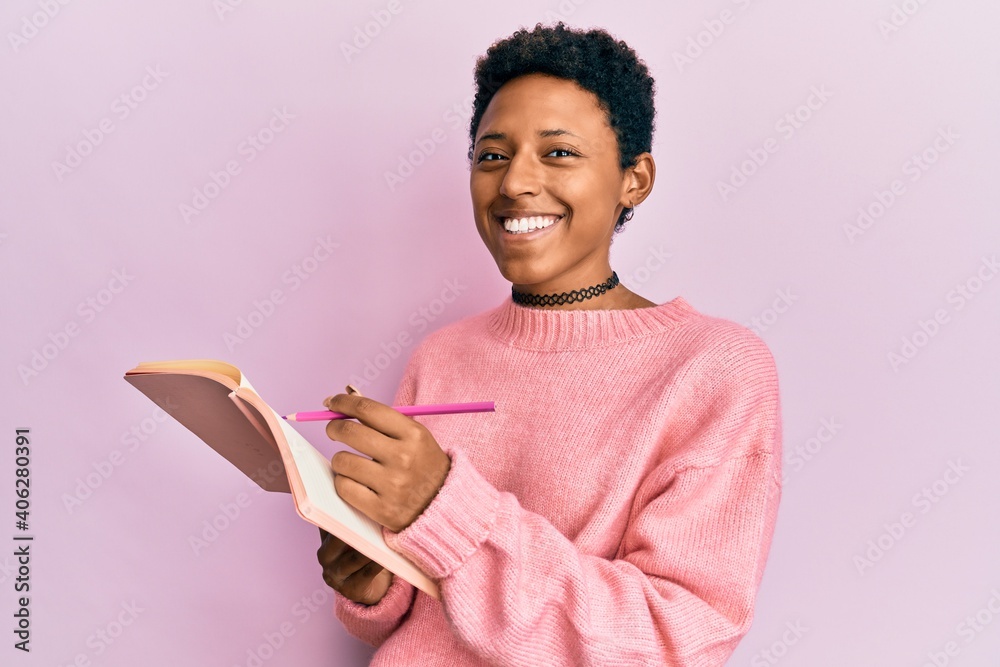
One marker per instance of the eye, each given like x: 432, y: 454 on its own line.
x: 482, y: 157
x: 563, y: 150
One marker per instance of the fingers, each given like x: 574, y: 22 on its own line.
x: 339, y: 560
x: 364, y: 574
x: 351, y: 562
x: 351, y: 390
x: 368, y: 585
x: 350, y: 572
x: 331, y: 549
x: 361, y: 469
x: 371, y: 413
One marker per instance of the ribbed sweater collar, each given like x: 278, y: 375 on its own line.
x: 554, y: 330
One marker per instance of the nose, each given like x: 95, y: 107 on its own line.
x: 522, y: 177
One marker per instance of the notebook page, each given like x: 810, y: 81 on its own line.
x: 244, y: 382
x: 317, y: 478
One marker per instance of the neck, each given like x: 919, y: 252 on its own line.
x: 599, y: 296
x: 614, y: 300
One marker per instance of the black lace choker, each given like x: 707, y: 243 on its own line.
x: 564, y: 297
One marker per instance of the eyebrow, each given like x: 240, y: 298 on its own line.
x: 542, y: 133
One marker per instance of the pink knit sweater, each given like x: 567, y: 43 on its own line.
x: 616, y: 509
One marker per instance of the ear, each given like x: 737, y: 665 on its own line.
x: 638, y: 180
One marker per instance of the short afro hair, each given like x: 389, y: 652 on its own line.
x: 596, y: 62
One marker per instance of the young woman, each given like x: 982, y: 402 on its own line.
x: 618, y: 506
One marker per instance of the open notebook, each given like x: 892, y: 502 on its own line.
x: 215, y: 401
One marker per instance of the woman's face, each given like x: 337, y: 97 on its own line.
x: 544, y: 147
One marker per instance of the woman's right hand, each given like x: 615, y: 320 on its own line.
x: 350, y: 573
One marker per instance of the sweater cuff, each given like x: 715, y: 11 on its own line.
x: 453, y: 525
x: 392, y: 605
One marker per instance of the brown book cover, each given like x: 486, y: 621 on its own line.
x: 214, y: 400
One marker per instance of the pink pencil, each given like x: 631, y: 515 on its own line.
x: 408, y: 410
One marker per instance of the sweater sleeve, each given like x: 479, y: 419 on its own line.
x: 681, y: 588
x: 373, y: 624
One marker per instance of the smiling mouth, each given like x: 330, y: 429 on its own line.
x: 528, y: 225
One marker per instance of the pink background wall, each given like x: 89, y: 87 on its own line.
x: 102, y: 249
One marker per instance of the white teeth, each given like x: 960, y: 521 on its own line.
x: 523, y: 225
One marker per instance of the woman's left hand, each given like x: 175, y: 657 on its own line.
x: 407, y: 467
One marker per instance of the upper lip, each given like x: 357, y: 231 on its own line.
x: 524, y: 214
